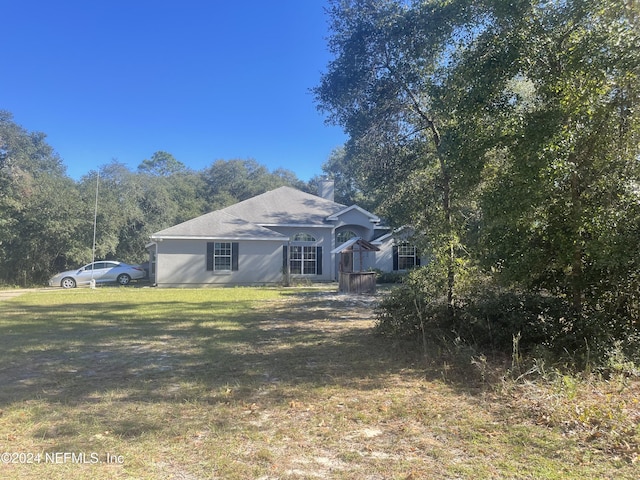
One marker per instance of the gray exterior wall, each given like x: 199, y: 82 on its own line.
x: 324, y: 239
x: 384, y: 257
x: 182, y: 263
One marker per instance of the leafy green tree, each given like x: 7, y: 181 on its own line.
x: 231, y: 181
x: 507, y: 133
x: 171, y: 193
x: 564, y: 200
x: 39, y: 207
x: 133, y: 205
x: 161, y: 164
x: 119, y: 233
x: 386, y: 87
x: 348, y: 188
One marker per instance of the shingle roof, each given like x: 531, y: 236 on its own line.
x: 284, y: 205
x: 218, y: 225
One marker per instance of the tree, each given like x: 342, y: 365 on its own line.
x: 231, y: 181
x: 567, y: 192
x: 132, y: 206
x: 161, y: 164
x: 169, y: 195
x: 388, y: 88
x: 119, y: 234
x: 507, y: 133
x: 39, y: 206
x: 348, y: 188
x: 172, y: 194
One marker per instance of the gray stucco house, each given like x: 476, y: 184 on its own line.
x: 254, y: 241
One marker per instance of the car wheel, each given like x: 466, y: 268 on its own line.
x: 123, y: 279
x: 68, y: 282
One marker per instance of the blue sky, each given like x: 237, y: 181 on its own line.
x: 201, y: 79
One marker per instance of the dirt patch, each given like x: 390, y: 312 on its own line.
x: 7, y: 294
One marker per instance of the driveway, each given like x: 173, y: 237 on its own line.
x: 6, y: 294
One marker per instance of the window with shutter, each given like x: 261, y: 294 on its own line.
x: 305, y: 258
x: 405, y: 257
x: 222, y: 256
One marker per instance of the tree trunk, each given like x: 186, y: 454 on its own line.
x: 451, y: 256
x: 577, y: 273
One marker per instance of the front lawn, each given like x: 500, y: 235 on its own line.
x: 248, y: 383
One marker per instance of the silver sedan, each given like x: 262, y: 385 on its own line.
x: 100, y: 272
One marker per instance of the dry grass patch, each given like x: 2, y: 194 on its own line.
x: 264, y: 384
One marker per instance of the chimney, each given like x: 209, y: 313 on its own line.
x: 326, y: 188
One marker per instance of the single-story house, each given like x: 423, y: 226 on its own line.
x: 281, y: 232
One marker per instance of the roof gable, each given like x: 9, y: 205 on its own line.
x: 354, y: 208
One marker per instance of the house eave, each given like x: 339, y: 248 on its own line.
x: 380, y: 239
x: 227, y: 237
x: 294, y: 225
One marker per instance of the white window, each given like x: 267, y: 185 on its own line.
x: 406, y: 257
x: 305, y: 257
x: 303, y: 237
x: 222, y: 256
x: 303, y: 260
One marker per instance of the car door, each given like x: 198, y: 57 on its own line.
x: 86, y: 273
x: 110, y: 271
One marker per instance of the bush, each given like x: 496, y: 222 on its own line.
x: 390, y: 277
x: 412, y: 306
x: 489, y: 318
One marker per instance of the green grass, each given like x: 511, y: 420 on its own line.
x: 251, y: 383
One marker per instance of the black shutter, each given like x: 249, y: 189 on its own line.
x: 210, y: 256
x: 284, y: 258
x: 318, y: 260
x: 417, y: 258
x: 234, y: 256
x: 395, y: 257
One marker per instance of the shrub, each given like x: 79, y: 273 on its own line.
x: 488, y: 318
x: 412, y: 306
x: 390, y: 277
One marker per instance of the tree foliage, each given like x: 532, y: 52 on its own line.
x: 349, y: 186
x: 382, y: 87
x: 36, y: 199
x: 507, y: 134
x: 162, y: 164
x: 47, y: 219
x: 231, y: 181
